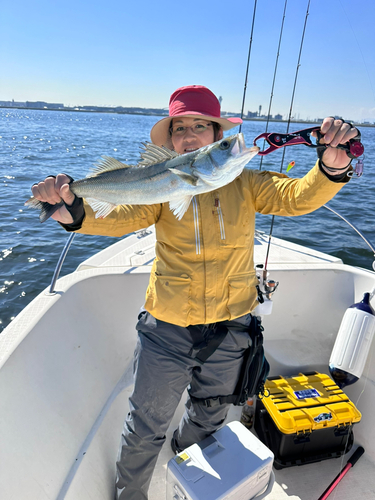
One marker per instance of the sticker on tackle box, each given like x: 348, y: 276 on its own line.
x: 307, y: 394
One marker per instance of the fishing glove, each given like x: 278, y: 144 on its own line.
x: 77, y: 212
x: 341, y: 177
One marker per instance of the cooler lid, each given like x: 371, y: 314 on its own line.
x: 308, y: 402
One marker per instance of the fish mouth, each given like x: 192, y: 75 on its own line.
x: 239, y: 146
x: 240, y: 149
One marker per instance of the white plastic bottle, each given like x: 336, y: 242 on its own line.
x: 248, y: 413
x: 353, y: 343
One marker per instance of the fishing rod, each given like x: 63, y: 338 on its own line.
x: 271, y: 98
x: 248, y: 63
x: 269, y: 286
x: 287, y: 130
x: 274, y: 78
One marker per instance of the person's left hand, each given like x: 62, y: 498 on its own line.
x: 336, y: 132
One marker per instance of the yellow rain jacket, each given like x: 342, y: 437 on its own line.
x: 204, y: 269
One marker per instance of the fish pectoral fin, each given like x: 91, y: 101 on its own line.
x: 209, y: 178
x: 101, y: 208
x: 179, y: 207
x: 190, y: 179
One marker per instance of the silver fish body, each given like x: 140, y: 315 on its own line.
x: 161, y: 176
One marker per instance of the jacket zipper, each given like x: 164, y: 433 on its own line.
x: 221, y: 218
x: 196, y: 227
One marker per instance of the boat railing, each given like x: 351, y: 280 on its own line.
x: 59, y: 264
x: 144, y: 233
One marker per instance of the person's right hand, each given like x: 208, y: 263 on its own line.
x: 54, y: 190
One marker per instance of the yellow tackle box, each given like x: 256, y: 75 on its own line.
x: 305, y: 419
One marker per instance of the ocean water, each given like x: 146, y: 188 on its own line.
x: 35, y: 144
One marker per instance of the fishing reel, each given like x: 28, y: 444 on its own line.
x: 266, y: 288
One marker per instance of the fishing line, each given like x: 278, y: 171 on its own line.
x: 287, y: 129
x: 248, y: 63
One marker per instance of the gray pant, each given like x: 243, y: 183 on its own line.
x: 164, y: 366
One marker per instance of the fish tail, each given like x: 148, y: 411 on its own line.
x: 46, y: 209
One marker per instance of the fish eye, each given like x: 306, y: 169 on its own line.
x: 224, y: 145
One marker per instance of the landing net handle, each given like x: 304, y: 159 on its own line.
x: 350, y: 463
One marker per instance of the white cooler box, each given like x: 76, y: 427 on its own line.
x: 231, y: 464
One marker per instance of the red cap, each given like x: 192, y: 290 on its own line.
x: 191, y: 101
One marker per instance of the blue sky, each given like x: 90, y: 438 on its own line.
x: 136, y: 53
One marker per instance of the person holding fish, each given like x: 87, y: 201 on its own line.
x: 194, y: 188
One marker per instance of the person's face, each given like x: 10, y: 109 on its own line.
x: 190, y: 134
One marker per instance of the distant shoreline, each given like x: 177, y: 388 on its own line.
x: 164, y: 115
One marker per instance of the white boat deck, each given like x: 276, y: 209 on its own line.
x: 66, y: 360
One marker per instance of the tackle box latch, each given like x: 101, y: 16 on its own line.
x: 302, y: 437
x: 342, y: 429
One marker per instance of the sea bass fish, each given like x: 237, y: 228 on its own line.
x: 161, y: 176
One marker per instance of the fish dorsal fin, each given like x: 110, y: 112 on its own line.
x: 106, y: 164
x: 179, y: 207
x: 152, y: 154
x: 101, y: 208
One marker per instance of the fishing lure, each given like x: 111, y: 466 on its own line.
x: 290, y: 166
